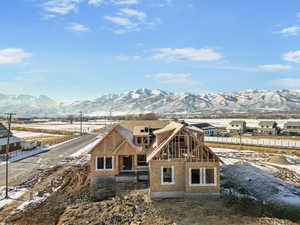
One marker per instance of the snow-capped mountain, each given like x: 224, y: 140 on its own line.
x: 145, y: 100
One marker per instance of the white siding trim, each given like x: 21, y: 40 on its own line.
x: 162, y: 175
x: 104, y: 163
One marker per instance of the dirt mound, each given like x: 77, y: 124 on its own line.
x: 288, y: 176
x: 133, y: 208
x: 67, y: 185
x: 279, y: 159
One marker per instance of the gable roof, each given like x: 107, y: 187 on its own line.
x: 176, y: 127
x: 267, y: 123
x: 3, y: 130
x: 203, y: 125
x: 125, y: 133
x: 292, y: 123
x: 237, y: 122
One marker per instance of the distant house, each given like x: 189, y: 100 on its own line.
x: 207, y: 128
x: 237, y: 127
x: 174, y: 156
x: 15, y: 143
x: 291, y: 128
x: 268, y: 127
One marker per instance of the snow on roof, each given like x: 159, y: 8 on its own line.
x: 169, y: 127
x: 237, y: 122
x: 3, y: 130
x: 203, y: 125
x: 128, y: 136
x: 194, y: 128
x: 125, y: 133
x: 267, y: 123
x: 12, y: 140
x: 292, y: 123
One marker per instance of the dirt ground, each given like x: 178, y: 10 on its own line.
x: 70, y: 204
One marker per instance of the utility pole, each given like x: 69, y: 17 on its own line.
x: 81, y: 117
x: 241, y: 138
x: 110, y: 115
x: 9, y: 117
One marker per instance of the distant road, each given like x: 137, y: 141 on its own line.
x: 23, y: 169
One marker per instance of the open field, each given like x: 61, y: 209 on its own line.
x: 50, y: 140
x: 61, y: 126
x: 28, y: 134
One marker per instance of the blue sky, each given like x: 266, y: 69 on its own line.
x: 81, y: 49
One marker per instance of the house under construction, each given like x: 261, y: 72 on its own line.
x: 173, y: 157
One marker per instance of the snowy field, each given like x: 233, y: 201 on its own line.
x: 250, y: 122
x: 64, y: 126
x: 271, y: 178
x: 268, y: 162
x: 27, y: 134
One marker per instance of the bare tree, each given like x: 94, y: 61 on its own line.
x: 71, y: 118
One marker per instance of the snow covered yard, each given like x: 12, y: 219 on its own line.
x: 28, y: 134
x: 272, y: 179
x: 64, y: 126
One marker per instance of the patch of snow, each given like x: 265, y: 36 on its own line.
x: 28, y: 134
x: 295, y: 168
x: 31, y: 203
x: 13, y: 193
x: 261, y: 185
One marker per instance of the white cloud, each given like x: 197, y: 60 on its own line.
x: 294, y: 30
x: 292, y: 56
x: 202, y: 54
x: 125, y: 2
x: 95, y: 2
x: 77, y: 27
x: 174, y: 78
x: 62, y: 7
x: 34, y: 72
x: 129, y: 20
x: 286, y: 82
x: 48, y: 16
x: 13, y: 56
x: 127, y: 57
x: 132, y: 13
x: 125, y: 22
x: 271, y: 68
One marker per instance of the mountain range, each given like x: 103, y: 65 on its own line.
x: 159, y: 101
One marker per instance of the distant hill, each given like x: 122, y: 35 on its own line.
x: 159, y: 101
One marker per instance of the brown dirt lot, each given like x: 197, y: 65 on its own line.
x: 50, y: 140
x: 70, y: 204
